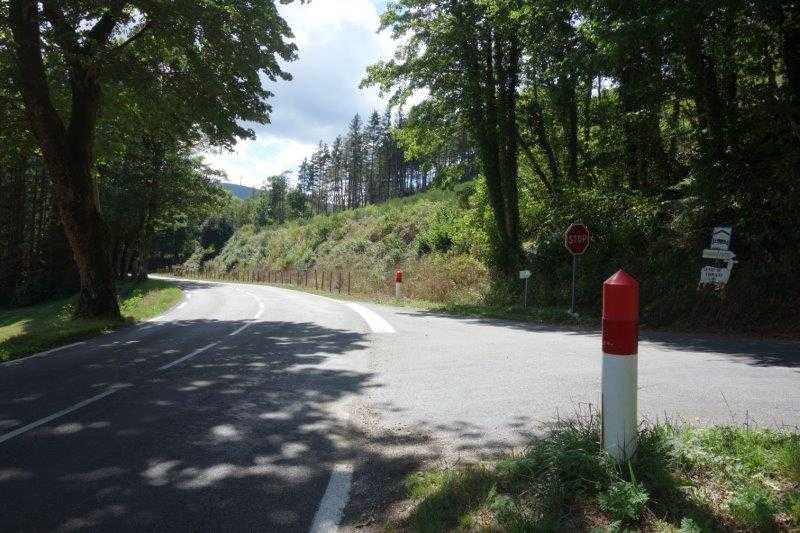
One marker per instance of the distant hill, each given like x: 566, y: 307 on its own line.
x: 240, y: 191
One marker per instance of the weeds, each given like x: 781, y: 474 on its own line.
x: 681, y: 479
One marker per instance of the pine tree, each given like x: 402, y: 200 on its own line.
x: 355, y: 163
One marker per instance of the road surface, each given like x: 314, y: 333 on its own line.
x: 257, y: 408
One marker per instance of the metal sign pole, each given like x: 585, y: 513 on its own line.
x: 525, y: 296
x: 574, y: 276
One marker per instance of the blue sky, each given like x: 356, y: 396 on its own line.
x: 337, y: 39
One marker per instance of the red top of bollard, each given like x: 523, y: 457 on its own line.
x: 398, y: 276
x: 621, y: 297
x: 620, y: 315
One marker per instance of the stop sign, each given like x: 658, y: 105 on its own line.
x: 576, y: 238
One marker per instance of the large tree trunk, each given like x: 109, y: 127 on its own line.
x: 68, y: 159
x: 491, y: 66
x: 790, y: 50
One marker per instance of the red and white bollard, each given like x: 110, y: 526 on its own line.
x: 398, y: 284
x: 620, y: 365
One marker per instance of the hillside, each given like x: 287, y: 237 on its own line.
x: 242, y: 192
x: 439, y: 239
x: 426, y: 235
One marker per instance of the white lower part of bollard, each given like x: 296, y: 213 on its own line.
x: 398, y: 290
x: 619, y: 405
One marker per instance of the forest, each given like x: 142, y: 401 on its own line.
x: 651, y: 122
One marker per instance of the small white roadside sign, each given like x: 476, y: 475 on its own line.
x: 524, y: 274
x: 721, y: 238
x: 719, y: 251
x: 723, y: 255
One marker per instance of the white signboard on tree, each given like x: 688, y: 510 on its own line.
x: 721, y: 238
x: 719, y: 251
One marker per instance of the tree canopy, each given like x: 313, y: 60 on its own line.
x: 183, y: 69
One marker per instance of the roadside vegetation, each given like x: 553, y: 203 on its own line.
x: 650, y: 124
x: 440, y: 239
x: 682, y: 479
x: 27, y: 330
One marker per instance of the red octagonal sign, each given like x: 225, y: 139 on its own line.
x: 576, y: 238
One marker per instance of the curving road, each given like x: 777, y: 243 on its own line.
x: 257, y: 408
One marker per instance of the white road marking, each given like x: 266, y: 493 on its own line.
x: 329, y: 513
x: 189, y: 356
x: 375, y: 322
x: 181, y: 306
x: 40, y: 354
x: 19, y: 431
x: 258, y: 314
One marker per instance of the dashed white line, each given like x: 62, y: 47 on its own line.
x: 189, y: 356
x: 329, y: 512
x: 375, y: 322
x: 19, y: 431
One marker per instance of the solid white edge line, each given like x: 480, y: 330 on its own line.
x: 375, y: 322
x: 189, y: 356
x: 40, y: 354
x: 329, y: 512
x: 256, y: 317
x: 19, y: 431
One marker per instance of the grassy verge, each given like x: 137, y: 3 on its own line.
x: 682, y: 479
x: 28, y: 330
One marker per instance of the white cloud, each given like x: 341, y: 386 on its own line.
x: 337, y: 39
x: 252, y: 162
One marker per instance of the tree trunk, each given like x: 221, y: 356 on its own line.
x: 68, y: 159
x: 702, y: 68
x: 790, y: 50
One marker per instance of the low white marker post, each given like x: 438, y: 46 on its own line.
x: 620, y: 365
x: 398, y: 284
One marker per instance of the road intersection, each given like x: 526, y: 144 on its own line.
x: 255, y: 407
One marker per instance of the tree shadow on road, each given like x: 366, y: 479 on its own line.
x: 240, y: 437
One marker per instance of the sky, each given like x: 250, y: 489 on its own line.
x: 337, y: 39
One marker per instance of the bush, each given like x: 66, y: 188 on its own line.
x: 753, y: 506
x: 625, y: 501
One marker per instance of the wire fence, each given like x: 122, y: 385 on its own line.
x: 331, y: 280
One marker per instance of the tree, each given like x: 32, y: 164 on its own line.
x: 467, y: 55
x: 355, y: 163
x: 203, y: 60
x: 278, y: 188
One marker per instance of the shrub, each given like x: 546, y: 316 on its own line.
x: 753, y: 506
x: 625, y: 501
x: 793, y: 508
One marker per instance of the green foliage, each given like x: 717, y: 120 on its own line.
x: 427, y: 235
x: 753, y: 506
x: 565, y: 481
x: 447, y: 498
x: 27, y: 330
x: 793, y: 507
x: 625, y: 501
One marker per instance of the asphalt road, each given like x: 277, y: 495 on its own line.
x: 248, y: 407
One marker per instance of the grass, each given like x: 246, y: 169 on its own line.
x: 27, y: 330
x: 682, y: 479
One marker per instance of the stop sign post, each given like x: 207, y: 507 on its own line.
x: 576, y: 240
